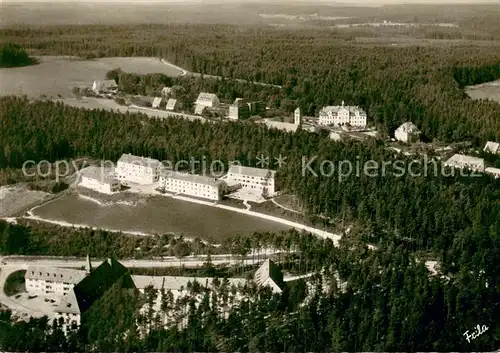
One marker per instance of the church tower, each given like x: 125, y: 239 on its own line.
x: 297, y: 117
x: 88, y: 265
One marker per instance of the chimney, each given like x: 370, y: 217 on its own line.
x: 342, y: 103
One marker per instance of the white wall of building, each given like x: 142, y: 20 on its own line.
x: 253, y: 183
x: 43, y: 287
x: 99, y: 186
x: 186, y: 187
x: 137, y: 173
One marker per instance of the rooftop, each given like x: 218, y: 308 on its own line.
x: 203, y: 96
x: 256, y: 172
x: 337, y: 108
x: 289, y: 127
x: 193, y: 178
x: 269, y: 270
x: 408, y: 127
x: 144, y: 161
x: 91, y: 287
x: 175, y: 283
x: 98, y: 174
x: 55, y: 274
x: 461, y: 159
x: 171, y: 103
x: 492, y: 147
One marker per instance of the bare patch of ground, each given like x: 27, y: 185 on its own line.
x: 490, y: 90
x: 56, y: 76
x: 15, y: 198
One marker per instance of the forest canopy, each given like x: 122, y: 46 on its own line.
x: 12, y: 55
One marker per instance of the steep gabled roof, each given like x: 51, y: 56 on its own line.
x: 55, y: 274
x: 408, y: 127
x: 97, y: 283
x: 492, y: 147
x: 269, y: 272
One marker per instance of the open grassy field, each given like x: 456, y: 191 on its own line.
x: 56, y: 75
x: 489, y: 90
x: 17, y: 197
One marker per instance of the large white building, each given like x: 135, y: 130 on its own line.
x: 41, y: 280
x: 462, y: 161
x: 193, y: 185
x: 342, y: 115
x: 139, y: 170
x: 208, y: 100
x: 253, y: 179
x: 95, y: 179
x: 407, y: 133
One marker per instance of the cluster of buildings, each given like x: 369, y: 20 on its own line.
x: 132, y: 169
x: 107, y: 87
x: 79, y: 289
x: 461, y: 161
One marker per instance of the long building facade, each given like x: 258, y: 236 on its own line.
x: 138, y: 170
x: 342, y: 115
x: 50, y: 280
x: 254, y: 179
x: 193, y: 185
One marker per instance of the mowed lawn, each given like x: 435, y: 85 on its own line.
x: 56, y: 76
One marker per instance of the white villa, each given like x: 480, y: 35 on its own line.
x: 462, y: 161
x: 193, y: 185
x: 253, y: 179
x: 208, y: 100
x: 106, y: 86
x: 139, y: 170
x: 94, y: 178
x: 342, y: 115
x: 492, y: 147
x: 157, y: 102
x: 407, y: 133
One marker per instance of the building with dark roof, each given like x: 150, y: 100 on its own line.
x: 88, y: 290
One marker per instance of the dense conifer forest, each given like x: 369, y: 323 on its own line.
x: 315, y: 68
x: 389, y: 301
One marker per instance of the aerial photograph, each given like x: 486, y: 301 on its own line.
x: 250, y: 176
